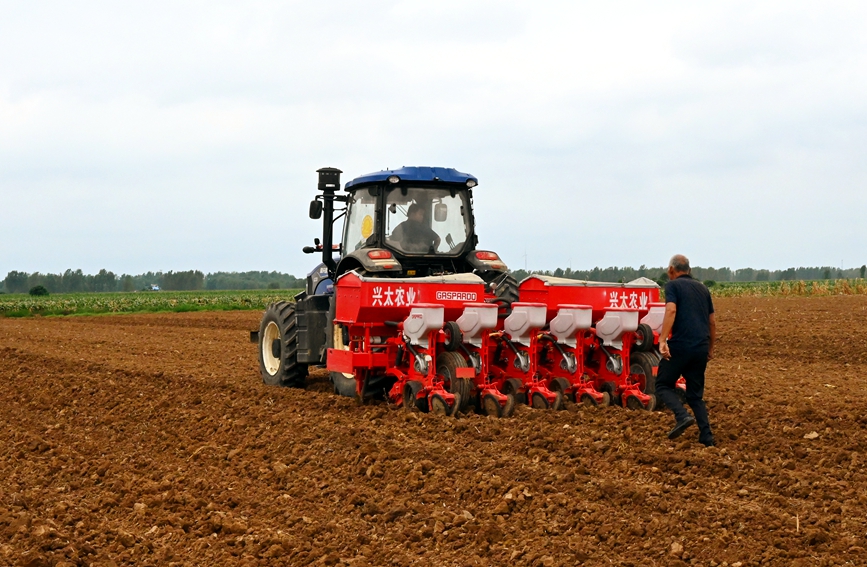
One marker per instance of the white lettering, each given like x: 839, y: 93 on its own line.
x: 456, y: 296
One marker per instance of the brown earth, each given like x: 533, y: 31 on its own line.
x: 150, y: 440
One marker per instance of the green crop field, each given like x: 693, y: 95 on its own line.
x: 22, y: 305
x: 789, y: 288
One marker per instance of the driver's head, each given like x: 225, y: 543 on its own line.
x: 415, y: 212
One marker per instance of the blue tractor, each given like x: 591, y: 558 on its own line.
x: 401, y: 223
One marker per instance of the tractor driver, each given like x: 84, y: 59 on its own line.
x: 413, y: 234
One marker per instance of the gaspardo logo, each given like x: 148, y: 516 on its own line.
x: 456, y: 295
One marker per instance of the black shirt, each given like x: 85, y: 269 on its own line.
x: 691, y: 329
x: 414, y: 236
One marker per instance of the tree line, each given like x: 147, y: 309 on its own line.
x: 658, y: 274
x: 75, y: 281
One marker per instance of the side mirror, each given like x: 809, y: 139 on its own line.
x: 315, y: 209
x: 441, y: 212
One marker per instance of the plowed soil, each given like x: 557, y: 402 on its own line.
x: 150, y: 440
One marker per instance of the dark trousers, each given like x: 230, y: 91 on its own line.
x: 691, y: 366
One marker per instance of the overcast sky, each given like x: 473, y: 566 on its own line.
x: 186, y: 135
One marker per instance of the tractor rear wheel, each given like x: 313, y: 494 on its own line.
x: 278, y: 347
x: 503, y: 286
x: 641, y: 368
x: 447, y: 365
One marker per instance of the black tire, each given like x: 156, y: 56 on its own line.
x: 278, y: 347
x: 343, y: 385
x: 611, y: 389
x: 410, y: 396
x: 633, y: 403
x: 439, y: 406
x: 560, y: 385
x: 512, y: 387
x: 643, y: 338
x: 641, y: 363
x: 559, y: 402
x: 447, y: 364
x: 503, y: 286
x: 453, y: 336
x: 491, y: 406
x: 539, y: 401
x: 509, y: 410
x: 588, y: 401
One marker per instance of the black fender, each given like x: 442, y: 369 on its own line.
x: 485, y: 260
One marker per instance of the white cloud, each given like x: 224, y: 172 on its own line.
x: 182, y: 135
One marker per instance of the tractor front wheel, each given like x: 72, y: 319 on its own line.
x: 278, y: 347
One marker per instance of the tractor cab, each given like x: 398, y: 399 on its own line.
x: 412, y: 221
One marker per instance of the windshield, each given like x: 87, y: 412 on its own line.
x: 360, y: 222
x: 426, y: 221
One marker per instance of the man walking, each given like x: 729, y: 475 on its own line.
x: 689, y: 320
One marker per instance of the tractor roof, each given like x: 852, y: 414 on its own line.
x: 417, y: 174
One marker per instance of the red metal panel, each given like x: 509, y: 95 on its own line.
x: 349, y: 362
x: 465, y: 372
x: 599, y: 297
x: 348, y: 290
x: 374, y: 300
x: 341, y: 361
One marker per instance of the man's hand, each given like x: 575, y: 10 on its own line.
x: 710, y: 355
x: 663, y: 350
